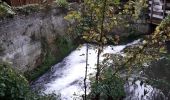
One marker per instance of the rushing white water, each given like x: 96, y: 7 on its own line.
x: 71, y: 80
x: 66, y: 77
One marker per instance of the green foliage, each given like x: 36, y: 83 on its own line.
x: 93, y: 22
x: 14, y: 86
x: 150, y: 51
x: 46, y: 65
x: 28, y: 9
x: 152, y: 47
x: 62, y: 3
x: 110, y: 86
x: 135, y: 8
x: 94, y: 18
x: 116, y: 2
x: 140, y: 8
x: 5, y: 9
x: 63, y: 45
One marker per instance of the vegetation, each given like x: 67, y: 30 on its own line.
x: 62, y: 3
x: 94, y: 23
x: 5, y: 9
x: 96, y: 19
x: 63, y: 45
x: 14, y: 86
x: 110, y: 86
x: 28, y: 9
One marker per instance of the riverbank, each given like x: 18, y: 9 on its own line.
x: 63, y: 46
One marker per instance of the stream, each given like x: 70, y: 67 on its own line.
x: 66, y: 78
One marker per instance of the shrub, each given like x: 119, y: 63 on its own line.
x: 5, y: 10
x: 13, y: 86
x: 110, y: 87
x: 28, y: 9
x: 62, y: 3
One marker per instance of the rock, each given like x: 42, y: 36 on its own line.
x: 21, y: 36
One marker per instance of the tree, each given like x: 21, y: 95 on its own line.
x: 97, y: 18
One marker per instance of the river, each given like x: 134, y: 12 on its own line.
x: 66, y: 77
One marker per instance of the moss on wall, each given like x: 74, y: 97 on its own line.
x: 52, y: 54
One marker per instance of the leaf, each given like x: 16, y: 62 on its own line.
x: 3, y: 85
x: 162, y: 50
x: 85, y: 37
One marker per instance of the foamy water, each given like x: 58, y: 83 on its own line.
x: 67, y: 76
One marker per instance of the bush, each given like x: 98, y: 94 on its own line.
x: 62, y: 3
x: 110, y: 87
x: 5, y: 10
x: 14, y: 86
x: 28, y: 9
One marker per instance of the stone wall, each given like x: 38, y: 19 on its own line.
x: 139, y: 27
x: 21, y: 36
